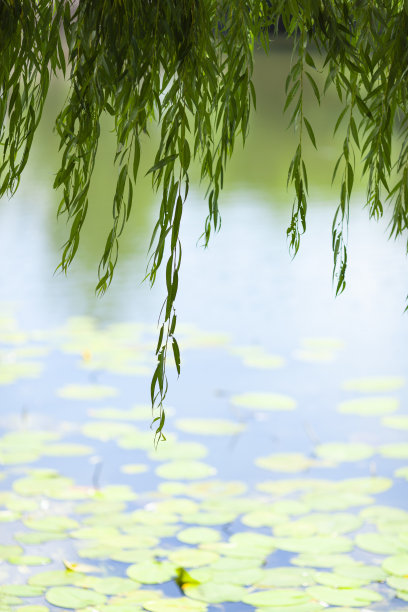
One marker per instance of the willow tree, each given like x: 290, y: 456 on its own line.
x: 186, y: 66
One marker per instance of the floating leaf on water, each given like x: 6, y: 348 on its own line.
x: 339, y: 581
x: 379, y: 543
x: 137, y: 555
x: 136, y: 413
x: 20, y: 590
x: 56, y: 578
x: 316, y: 544
x: 344, y: 597
x: 383, y: 513
x: 153, y: 517
x: 29, y: 560
x: 322, y: 560
x: 215, y: 489
x: 263, y: 518
x: 134, y: 468
x: 178, y: 505
x: 99, y: 506
x: 371, y: 573
x: 396, y: 450
x: 73, y: 597
x: 277, y: 597
x: 86, y: 392
x: 369, y: 406
x: 107, y: 430
x: 285, y: 577
x: 178, y: 451
x: 319, y: 523
x: 212, y: 592
x: 285, y: 462
x: 292, y: 485
x: 374, y: 384
x: 344, y: 451
x: 198, y: 535
x: 264, y: 543
x: 51, y: 523
x: 264, y: 401
x: 399, y: 421
x: 110, y: 585
x: 65, y: 449
x: 238, y: 577
x: 192, y: 557
x: 32, y: 608
x: 397, y: 565
x: 185, y: 470
x: 39, y: 537
x: 402, y: 472
x: 8, y: 551
x: 176, y: 603
x: 210, y: 427
x: 370, y: 485
x: 152, y: 572
x: 398, y: 583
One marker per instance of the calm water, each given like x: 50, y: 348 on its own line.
x: 244, y: 291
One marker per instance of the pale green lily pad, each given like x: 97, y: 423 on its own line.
x: 86, y: 392
x: 56, y: 578
x: 134, y: 468
x: 369, y: 485
x: 396, y: 565
x: 99, y: 506
x: 215, y: 489
x: 338, y: 581
x: 277, y: 597
x: 153, y: 517
x: 398, y: 421
x: 19, y: 457
x: 176, y: 603
x: 73, y: 597
x: 396, y: 450
x: 319, y: 523
x: 185, y: 470
x: 51, y: 523
x: 285, y: 486
x: 316, y: 544
x: 65, y: 449
x: 179, y: 505
x: 178, y: 451
x: 9, y: 551
x: 383, y: 513
x: 264, y: 401
x: 371, y: 573
x: 238, y: 577
x: 29, y: 560
x: 344, y: 597
x: 198, y: 535
x: 285, y: 577
x: 369, y: 406
x: 398, y: 583
x: 308, y: 607
x: 152, y: 572
x: 233, y: 564
x: 137, y: 555
x: 238, y: 552
x: 215, y: 593
x: 285, y: 462
x: 335, y: 500
x: 322, y: 560
x: 209, y: 518
x: 210, y: 427
x: 11, y: 372
x: 39, y: 537
x: 344, y: 451
x: 263, y: 518
x: 136, y: 413
x: 20, y: 590
x: 191, y: 557
x: 110, y: 585
x: 379, y: 543
x: 107, y: 430
x: 263, y: 543
x: 47, y: 484
x: 402, y: 472
x: 32, y: 608
x: 374, y: 384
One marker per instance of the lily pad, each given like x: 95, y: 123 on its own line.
x: 73, y: 597
x: 215, y: 593
x: 399, y: 421
x: 396, y: 450
x: 86, y: 392
x: 344, y: 451
x: 277, y: 597
x: 198, y: 535
x: 178, y: 451
x: 378, y: 543
x: 371, y: 573
x: 285, y: 577
x: 396, y: 565
x: 322, y: 560
x: 370, y: 406
x: 176, y: 603
x: 185, y: 470
x: 374, y: 384
x: 316, y: 544
x: 344, y: 597
x: 210, y: 427
x: 152, y: 572
x: 264, y: 401
x: 285, y: 462
x: 192, y: 557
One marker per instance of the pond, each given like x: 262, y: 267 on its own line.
x: 283, y: 481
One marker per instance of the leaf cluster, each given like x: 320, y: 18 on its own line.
x: 187, y: 67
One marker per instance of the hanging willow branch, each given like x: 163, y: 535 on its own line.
x: 186, y: 66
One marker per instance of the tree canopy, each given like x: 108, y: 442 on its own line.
x: 187, y: 67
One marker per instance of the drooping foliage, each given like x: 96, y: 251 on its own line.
x: 186, y: 67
